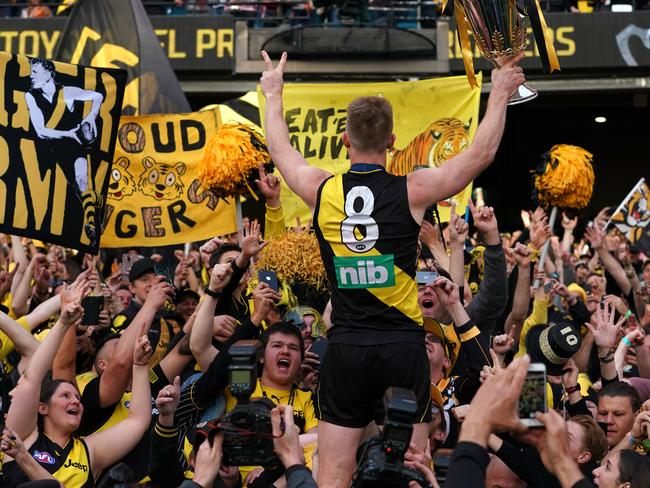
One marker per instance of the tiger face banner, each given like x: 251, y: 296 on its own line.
x: 632, y: 217
x: 58, y: 124
x: 433, y: 121
x: 155, y: 197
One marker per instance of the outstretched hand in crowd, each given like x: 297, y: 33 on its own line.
x: 251, y: 242
x: 161, y: 291
x: 552, y: 442
x: 269, y: 185
x: 207, y: 249
x: 603, y: 328
x: 485, y: 222
x: 416, y: 458
x: 264, y: 300
x: 458, y: 228
x: 494, y: 407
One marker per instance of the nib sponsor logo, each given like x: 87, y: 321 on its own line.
x: 365, y: 272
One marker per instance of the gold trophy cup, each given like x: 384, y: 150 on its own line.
x: 499, y: 32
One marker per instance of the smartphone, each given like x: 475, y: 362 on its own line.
x: 127, y: 262
x: 319, y: 347
x: 429, y: 214
x: 159, y: 269
x: 426, y: 277
x: 533, y: 395
x: 270, y: 278
x: 548, y: 286
x: 92, y: 305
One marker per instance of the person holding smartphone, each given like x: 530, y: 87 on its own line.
x: 142, y: 278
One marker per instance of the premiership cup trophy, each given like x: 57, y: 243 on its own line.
x: 499, y: 32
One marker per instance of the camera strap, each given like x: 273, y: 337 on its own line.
x: 292, y: 395
x: 299, y: 419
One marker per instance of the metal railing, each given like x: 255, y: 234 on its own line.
x: 270, y: 13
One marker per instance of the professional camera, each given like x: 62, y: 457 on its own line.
x: 119, y: 476
x: 381, y: 459
x: 248, y: 435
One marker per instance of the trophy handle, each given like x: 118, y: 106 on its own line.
x: 524, y: 93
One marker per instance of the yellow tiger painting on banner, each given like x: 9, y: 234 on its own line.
x: 434, y: 120
x: 154, y: 194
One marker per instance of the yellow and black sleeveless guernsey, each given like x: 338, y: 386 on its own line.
x: 70, y: 465
x: 368, y: 242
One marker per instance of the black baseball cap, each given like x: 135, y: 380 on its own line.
x: 101, y: 336
x: 581, y: 264
x: 187, y: 292
x: 140, y: 267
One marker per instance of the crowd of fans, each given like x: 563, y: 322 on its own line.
x: 131, y: 387
x: 263, y: 13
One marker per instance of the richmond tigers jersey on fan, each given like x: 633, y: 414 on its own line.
x: 368, y: 241
x: 70, y: 465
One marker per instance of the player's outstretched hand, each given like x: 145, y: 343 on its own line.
x: 272, y: 79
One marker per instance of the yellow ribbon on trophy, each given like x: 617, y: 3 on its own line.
x: 463, y: 28
x: 543, y: 36
x: 541, y: 32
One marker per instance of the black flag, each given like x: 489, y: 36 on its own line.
x: 58, y: 126
x: 118, y: 34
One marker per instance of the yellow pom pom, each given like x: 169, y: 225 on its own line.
x: 565, y: 178
x: 230, y: 158
x: 295, y: 258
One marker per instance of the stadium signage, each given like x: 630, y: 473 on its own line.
x: 192, y: 43
x: 601, y: 40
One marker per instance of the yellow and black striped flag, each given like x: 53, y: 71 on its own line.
x: 58, y: 125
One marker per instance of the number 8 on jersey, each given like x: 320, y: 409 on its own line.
x: 359, y: 223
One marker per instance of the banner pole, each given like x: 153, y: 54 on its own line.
x: 238, y: 212
x: 542, y: 255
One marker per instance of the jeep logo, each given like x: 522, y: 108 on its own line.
x: 74, y: 464
x: 365, y: 272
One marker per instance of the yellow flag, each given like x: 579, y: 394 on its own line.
x: 155, y: 197
x: 433, y: 120
x: 65, y: 5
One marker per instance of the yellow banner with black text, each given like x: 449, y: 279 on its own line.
x: 155, y: 197
x: 433, y: 120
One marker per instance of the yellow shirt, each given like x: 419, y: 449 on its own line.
x: 6, y: 344
x: 303, y: 409
x: 7, y: 303
x: 274, y: 222
x: 539, y: 315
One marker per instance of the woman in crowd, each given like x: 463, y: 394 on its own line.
x: 623, y: 469
x: 47, y: 416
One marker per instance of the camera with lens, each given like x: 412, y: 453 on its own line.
x: 381, y: 458
x: 248, y: 435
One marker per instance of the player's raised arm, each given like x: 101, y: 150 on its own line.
x: 433, y: 185
x: 303, y: 179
